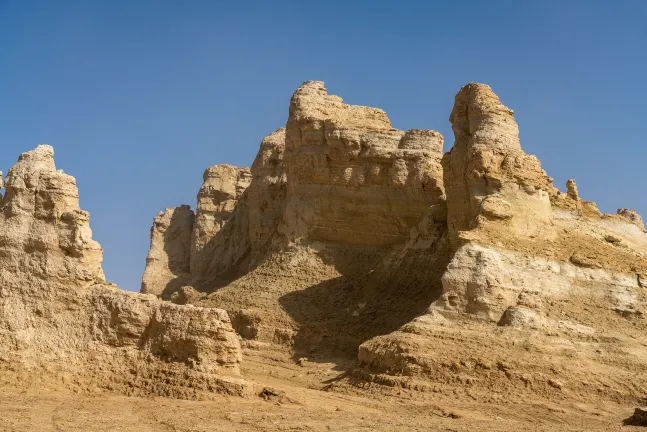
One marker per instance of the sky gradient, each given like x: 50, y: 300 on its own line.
x: 139, y: 97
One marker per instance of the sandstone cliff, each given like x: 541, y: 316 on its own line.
x: 61, y: 321
x: 353, y: 236
x: 467, y: 274
x: 533, y: 268
x: 340, y: 212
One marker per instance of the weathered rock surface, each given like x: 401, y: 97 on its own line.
x: 168, y: 260
x: 347, y: 165
x: 487, y: 176
x: 559, y: 278
x: 222, y: 188
x: 464, y: 272
x: 60, y: 319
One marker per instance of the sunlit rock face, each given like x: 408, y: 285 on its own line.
x: 60, y: 320
x: 541, y: 287
x: 347, y: 165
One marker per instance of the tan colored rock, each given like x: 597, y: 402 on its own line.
x: 168, y: 260
x: 338, y: 193
x: 487, y: 162
x: 633, y: 217
x: 267, y: 192
x: 346, y: 164
x: 184, y: 295
x: 62, y: 322
x: 545, y: 265
x: 515, y: 316
x: 222, y: 188
x: 356, y: 237
x: 251, y: 223
x: 572, y: 190
x: 40, y: 213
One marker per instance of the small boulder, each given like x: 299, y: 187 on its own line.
x: 639, y: 418
x: 519, y: 317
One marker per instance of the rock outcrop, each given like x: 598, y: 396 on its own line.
x: 531, y: 266
x: 222, y: 188
x: 339, y: 194
x: 237, y: 212
x: 61, y: 321
x: 488, y: 177
x: 168, y: 261
x: 355, y: 237
x: 466, y: 273
x: 347, y: 165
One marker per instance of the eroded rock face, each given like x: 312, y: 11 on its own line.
x: 42, y: 228
x: 346, y: 165
x: 487, y: 175
x: 222, y: 188
x: 238, y: 210
x: 333, y: 168
x: 499, y: 197
x: 633, y: 217
x: 168, y: 260
x: 341, y: 198
x: 60, y: 320
x: 267, y: 193
x: 455, y: 272
x: 555, y: 274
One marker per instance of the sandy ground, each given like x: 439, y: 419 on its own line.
x: 310, y: 397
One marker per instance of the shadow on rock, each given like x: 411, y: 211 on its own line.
x: 372, y: 297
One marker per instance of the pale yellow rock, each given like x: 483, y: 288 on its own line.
x: 633, y: 217
x: 545, y: 265
x: 356, y: 237
x: 61, y: 321
x: 237, y: 213
x: 222, y: 188
x: 572, y: 190
x: 346, y: 164
x: 487, y: 160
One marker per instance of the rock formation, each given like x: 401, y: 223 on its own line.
x: 168, y: 260
x: 61, y: 320
x: 355, y: 237
x: 222, y: 188
x: 464, y: 273
x: 531, y: 267
x: 338, y: 195
x: 347, y: 165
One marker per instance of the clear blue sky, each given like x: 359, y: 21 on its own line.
x: 139, y: 97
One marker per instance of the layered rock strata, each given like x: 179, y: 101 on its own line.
x: 347, y: 165
x: 353, y: 236
x: 168, y: 261
x: 60, y: 320
x: 340, y: 210
x: 320, y: 179
x: 532, y: 267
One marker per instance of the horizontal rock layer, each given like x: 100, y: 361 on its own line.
x: 353, y: 236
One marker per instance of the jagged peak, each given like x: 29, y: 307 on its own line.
x: 312, y: 103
